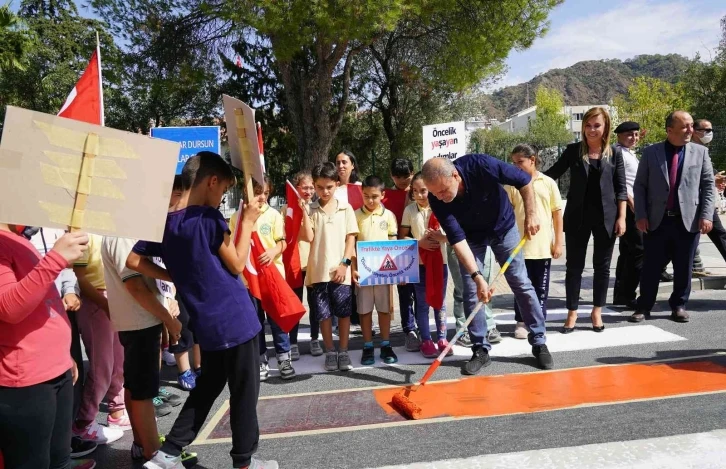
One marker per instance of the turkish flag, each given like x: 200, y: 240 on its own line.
x: 293, y: 222
x: 395, y: 201
x: 85, y: 103
x: 278, y: 299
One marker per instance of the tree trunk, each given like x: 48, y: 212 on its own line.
x: 308, y: 84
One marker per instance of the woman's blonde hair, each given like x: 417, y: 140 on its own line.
x: 605, y: 143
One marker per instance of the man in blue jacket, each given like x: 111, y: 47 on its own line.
x: 467, y: 197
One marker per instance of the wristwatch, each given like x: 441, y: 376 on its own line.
x: 475, y: 275
x: 346, y: 261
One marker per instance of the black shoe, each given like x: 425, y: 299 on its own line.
x: 80, y: 448
x: 388, y: 355
x: 598, y: 328
x: 567, y: 330
x: 543, y: 356
x: 368, y: 357
x: 666, y: 277
x: 639, y: 316
x: 479, y: 359
x: 161, y: 408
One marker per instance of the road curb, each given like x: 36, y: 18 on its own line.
x: 709, y: 283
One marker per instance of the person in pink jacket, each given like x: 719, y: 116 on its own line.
x: 36, y: 369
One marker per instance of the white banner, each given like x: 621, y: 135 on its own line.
x: 445, y: 140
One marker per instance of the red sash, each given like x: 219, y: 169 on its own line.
x: 434, y: 263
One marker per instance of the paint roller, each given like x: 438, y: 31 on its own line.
x: 401, y: 401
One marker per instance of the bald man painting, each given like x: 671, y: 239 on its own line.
x: 674, y: 196
x: 467, y: 197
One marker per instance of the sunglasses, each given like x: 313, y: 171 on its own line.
x: 705, y: 131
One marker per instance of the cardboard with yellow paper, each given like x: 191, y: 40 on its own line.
x: 242, y: 137
x: 63, y: 173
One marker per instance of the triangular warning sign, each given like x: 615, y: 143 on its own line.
x: 388, y: 264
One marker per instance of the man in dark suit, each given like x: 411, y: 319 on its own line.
x: 674, y: 202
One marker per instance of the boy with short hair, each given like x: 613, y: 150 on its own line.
x: 396, y: 200
x: 137, y: 313
x: 375, y: 223
x: 330, y: 227
x: 204, y: 264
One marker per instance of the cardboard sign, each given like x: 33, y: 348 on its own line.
x: 192, y: 140
x: 388, y: 262
x: 244, y: 149
x: 445, y: 140
x: 63, y: 173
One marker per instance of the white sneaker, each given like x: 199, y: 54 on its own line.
x: 520, y: 332
x: 161, y: 460
x: 98, y: 434
x: 259, y: 464
x: 264, y: 368
x: 168, y: 357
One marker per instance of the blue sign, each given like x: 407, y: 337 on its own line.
x: 192, y: 140
x: 388, y: 262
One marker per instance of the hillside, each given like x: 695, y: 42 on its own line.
x: 589, y: 82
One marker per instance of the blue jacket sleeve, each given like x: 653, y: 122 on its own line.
x: 506, y: 173
x: 454, y: 232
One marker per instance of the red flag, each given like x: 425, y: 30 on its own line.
x: 434, y: 262
x: 250, y: 272
x: 395, y: 201
x: 355, y: 196
x: 85, y: 103
x: 278, y: 299
x: 293, y: 221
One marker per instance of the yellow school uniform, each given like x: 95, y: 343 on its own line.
x: 417, y: 219
x: 271, y: 230
x: 92, y: 261
x: 548, y: 200
x: 379, y: 225
x: 328, y: 246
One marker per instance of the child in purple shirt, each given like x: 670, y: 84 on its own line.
x: 204, y: 264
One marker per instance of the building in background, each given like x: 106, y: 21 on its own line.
x: 520, y: 121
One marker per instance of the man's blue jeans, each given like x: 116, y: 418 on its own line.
x: 519, y: 283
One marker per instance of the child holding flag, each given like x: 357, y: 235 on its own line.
x: 299, y: 196
x: 420, y: 223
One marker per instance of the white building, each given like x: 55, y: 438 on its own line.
x: 519, y: 122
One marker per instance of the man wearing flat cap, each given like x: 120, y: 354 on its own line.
x: 630, y: 260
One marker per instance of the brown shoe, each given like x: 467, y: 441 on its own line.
x: 679, y: 315
x: 639, y: 316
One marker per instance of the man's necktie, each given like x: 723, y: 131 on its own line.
x: 672, y: 180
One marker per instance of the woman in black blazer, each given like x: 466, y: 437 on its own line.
x: 595, y: 205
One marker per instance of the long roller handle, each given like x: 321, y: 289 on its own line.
x: 464, y: 326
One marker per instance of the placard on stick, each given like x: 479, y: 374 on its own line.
x: 63, y: 173
x: 244, y: 149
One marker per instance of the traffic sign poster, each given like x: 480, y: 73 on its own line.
x: 388, y: 262
x: 192, y: 140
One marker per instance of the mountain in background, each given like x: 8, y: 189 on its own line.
x: 588, y: 82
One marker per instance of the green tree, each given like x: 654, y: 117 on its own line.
x: 548, y: 129
x: 495, y: 142
x: 63, y: 42
x: 317, y: 46
x: 706, y: 85
x: 15, y: 41
x: 410, y: 73
x: 170, y: 64
x: 648, y: 102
